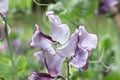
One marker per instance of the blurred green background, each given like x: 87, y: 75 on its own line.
x: 23, y: 14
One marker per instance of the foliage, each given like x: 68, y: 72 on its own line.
x: 23, y: 6
x: 5, y: 66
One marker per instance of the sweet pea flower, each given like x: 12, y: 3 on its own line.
x: 86, y: 42
x: 105, y: 6
x: 79, y: 46
x: 48, y: 56
x: 4, y: 7
x: 82, y: 44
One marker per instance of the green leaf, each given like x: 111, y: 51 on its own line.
x: 20, y: 63
x: 5, y: 67
x: 112, y: 76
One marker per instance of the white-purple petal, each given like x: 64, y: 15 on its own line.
x: 80, y: 59
x: 4, y: 7
x: 39, y: 55
x: 42, y: 41
x: 54, y: 19
x: 87, y: 40
x: 69, y: 48
x: 54, y: 64
x: 59, y: 32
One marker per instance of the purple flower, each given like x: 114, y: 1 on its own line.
x: 86, y: 42
x: 78, y: 46
x: 48, y: 55
x: 105, y: 6
x: 4, y: 7
x: 52, y: 61
x: 82, y: 44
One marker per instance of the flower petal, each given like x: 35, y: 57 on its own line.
x: 4, y: 7
x: 42, y: 41
x: 54, y: 19
x: 87, y: 40
x: 69, y: 48
x: 39, y: 55
x: 80, y: 59
x: 39, y: 76
x: 109, y: 2
x: 105, y: 6
x: 59, y: 32
x: 54, y: 65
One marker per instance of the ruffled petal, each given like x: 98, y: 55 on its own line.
x: 59, y: 32
x: 4, y: 7
x: 87, y: 40
x: 42, y: 41
x: 39, y: 55
x: 69, y: 48
x: 54, y: 19
x: 39, y: 76
x: 80, y: 60
x: 53, y: 63
x: 113, y: 2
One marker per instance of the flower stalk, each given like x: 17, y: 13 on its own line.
x: 14, y: 75
x: 68, y: 70
x: 39, y: 3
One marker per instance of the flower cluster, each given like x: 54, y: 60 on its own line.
x: 78, y: 46
x: 105, y: 6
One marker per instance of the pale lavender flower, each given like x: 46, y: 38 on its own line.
x: 48, y: 56
x: 4, y: 7
x: 16, y: 45
x: 86, y: 42
x: 78, y: 46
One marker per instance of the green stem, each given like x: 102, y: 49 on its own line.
x: 39, y: 3
x: 68, y: 70
x: 100, y: 59
x: 14, y: 75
